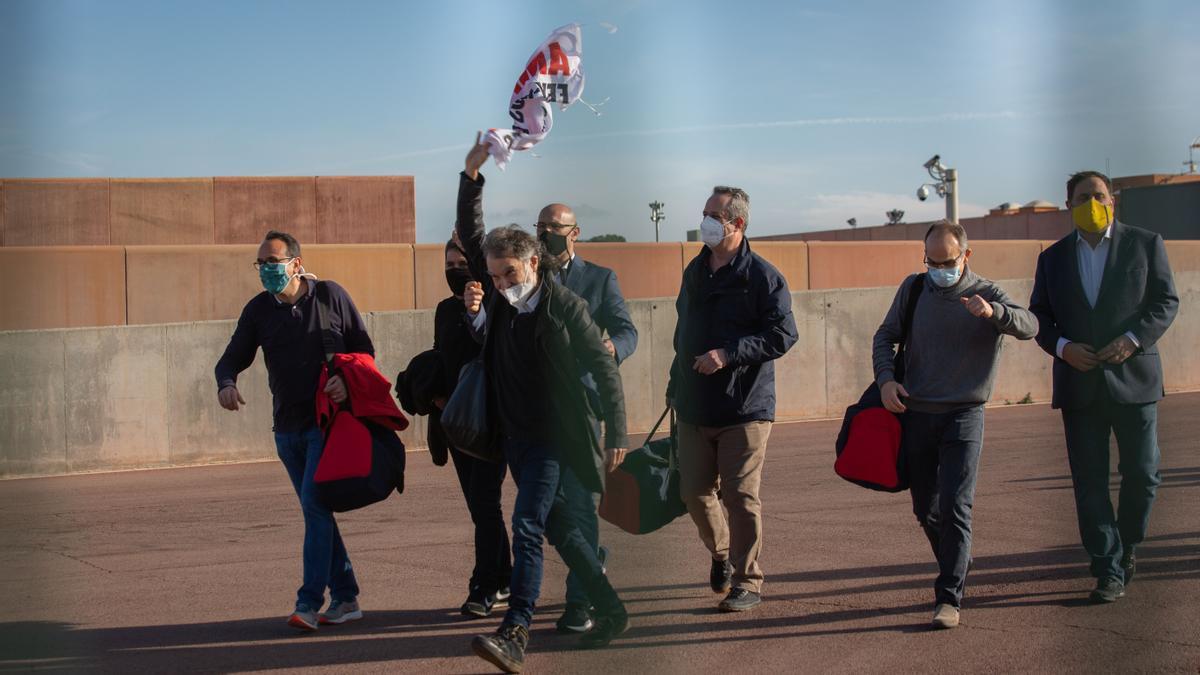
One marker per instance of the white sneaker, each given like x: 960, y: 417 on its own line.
x: 340, y: 612
x: 945, y: 616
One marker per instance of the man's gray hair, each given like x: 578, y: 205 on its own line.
x: 958, y: 231
x: 510, y: 241
x: 739, y: 203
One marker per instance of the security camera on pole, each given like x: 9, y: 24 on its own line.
x: 656, y: 215
x: 946, y: 186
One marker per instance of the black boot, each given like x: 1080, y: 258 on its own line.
x: 720, y: 575
x: 505, y: 649
x: 608, y: 626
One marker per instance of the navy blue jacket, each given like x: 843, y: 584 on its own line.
x: 744, y: 308
x: 597, y: 285
x: 290, y: 337
x: 1137, y: 294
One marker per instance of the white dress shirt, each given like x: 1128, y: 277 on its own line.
x: 1091, y: 274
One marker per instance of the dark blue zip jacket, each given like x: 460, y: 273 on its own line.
x: 744, y: 308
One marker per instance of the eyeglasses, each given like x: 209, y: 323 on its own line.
x: 270, y: 261
x: 542, y: 227
x: 943, y: 265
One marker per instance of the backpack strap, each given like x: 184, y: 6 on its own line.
x: 910, y: 310
x: 324, y: 307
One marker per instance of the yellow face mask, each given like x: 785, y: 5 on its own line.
x: 1091, y: 217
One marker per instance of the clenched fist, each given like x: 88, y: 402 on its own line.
x: 473, y: 297
x: 710, y: 362
x: 229, y: 398
x: 977, y: 306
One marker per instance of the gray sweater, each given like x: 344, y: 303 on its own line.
x: 951, y: 357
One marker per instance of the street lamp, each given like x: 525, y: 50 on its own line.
x: 894, y: 216
x: 656, y: 215
x: 946, y: 186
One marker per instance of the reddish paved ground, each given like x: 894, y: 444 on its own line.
x: 193, y: 570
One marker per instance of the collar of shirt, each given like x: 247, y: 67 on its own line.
x: 310, y: 289
x: 567, y: 264
x: 1107, y: 236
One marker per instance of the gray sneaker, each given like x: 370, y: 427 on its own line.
x: 340, y: 612
x: 304, y: 618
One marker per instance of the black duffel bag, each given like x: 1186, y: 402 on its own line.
x: 642, y: 495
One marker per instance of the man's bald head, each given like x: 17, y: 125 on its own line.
x: 557, y: 213
x: 559, y: 220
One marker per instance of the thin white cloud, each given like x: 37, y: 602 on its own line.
x: 701, y: 128
x: 808, y: 122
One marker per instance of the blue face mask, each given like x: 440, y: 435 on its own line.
x: 945, y: 278
x: 274, y: 277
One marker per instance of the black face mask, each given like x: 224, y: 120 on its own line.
x: 556, y: 244
x: 457, y: 278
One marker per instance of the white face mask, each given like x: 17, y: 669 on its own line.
x: 712, y: 231
x: 517, y: 293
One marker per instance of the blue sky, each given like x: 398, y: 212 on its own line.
x: 820, y: 110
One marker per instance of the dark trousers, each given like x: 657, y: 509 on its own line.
x: 541, y: 510
x: 942, y: 451
x: 481, y: 482
x: 1088, y: 430
x: 582, y: 506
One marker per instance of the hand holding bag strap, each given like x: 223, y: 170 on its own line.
x: 328, y: 342
x: 910, y: 310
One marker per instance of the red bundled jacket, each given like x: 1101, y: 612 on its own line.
x: 347, y: 465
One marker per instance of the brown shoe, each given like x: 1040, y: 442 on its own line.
x: 945, y: 616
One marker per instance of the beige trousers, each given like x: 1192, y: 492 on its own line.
x: 729, y: 459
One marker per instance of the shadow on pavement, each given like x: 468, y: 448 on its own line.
x: 267, y: 643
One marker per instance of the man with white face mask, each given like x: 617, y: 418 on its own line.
x: 538, y: 341
x: 284, y: 321
x: 950, y: 361
x: 735, y: 319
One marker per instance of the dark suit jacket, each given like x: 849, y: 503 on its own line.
x: 598, y: 287
x: 1137, y: 294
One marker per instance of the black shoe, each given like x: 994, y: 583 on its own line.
x: 608, y: 626
x: 740, y: 600
x: 574, y: 619
x: 1129, y: 564
x: 479, y: 604
x: 1108, y: 589
x: 505, y: 649
x: 720, y: 577
x: 501, y: 598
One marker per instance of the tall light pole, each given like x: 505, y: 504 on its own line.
x: 946, y: 186
x: 656, y: 215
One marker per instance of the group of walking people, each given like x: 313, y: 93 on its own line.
x: 552, y: 330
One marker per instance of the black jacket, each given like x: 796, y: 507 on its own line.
x: 568, y: 343
x: 744, y: 308
x: 1137, y: 294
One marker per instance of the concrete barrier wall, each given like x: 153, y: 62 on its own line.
x: 246, y: 208
x: 205, y: 211
x: 165, y: 284
x: 143, y: 396
x: 54, y: 212
x: 62, y: 286
x: 161, y: 211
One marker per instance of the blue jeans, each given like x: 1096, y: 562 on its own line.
x: 1088, y: 430
x: 541, y: 511
x: 942, y: 451
x: 582, y: 505
x: 325, y: 561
